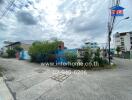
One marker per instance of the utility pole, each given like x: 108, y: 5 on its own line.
x: 110, y: 28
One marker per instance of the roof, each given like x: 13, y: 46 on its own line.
x: 21, y: 42
x: 117, y: 7
x: 91, y: 43
x: 14, y: 43
x: 121, y: 34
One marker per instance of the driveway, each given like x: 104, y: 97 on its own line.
x: 29, y: 81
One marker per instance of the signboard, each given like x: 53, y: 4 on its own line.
x: 117, y: 11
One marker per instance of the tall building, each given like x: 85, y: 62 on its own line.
x: 123, y: 40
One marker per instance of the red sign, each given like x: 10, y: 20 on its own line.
x: 117, y: 11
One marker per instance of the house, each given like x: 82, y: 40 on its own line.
x: 25, y: 45
x: 3, y: 50
x: 12, y: 45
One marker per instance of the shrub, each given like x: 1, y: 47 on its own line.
x: 11, y: 53
x: 4, y: 55
x: 71, y: 57
x: 102, y: 62
x: 43, y: 51
x: 87, y: 55
x: 18, y: 48
x: 118, y: 49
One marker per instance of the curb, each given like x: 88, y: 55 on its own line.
x: 4, y: 91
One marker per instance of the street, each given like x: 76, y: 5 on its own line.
x: 29, y: 81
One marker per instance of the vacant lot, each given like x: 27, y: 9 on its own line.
x: 29, y: 81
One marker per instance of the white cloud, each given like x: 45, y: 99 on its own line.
x: 73, y: 21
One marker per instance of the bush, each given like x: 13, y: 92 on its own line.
x: 43, y: 51
x: 87, y: 55
x: 11, y: 53
x: 90, y: 60
x: 70, y: 57
x: 4, y: 55
x: 18, y: 48
x: 102, y: 62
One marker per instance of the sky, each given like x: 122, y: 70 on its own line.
x: 72, y: 21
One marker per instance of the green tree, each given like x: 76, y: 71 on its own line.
x: 97, y: 55
x: 71, y: 57
x: 43, y: 49
x: 87, y: 55
x: 97, y: 58
x: 11, y: 53
x: 118, y: 49
x: 18, y: 48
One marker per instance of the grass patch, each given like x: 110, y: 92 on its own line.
x: 111, y: 66
x: 105, y: 67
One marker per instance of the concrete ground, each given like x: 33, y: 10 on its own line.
x: 4, y: 91
x: 29, y: 81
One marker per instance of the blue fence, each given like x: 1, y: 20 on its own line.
x: 24, y: 55
x: 56, y: 56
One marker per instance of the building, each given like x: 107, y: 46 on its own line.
x: 92, y: 45
x: 23, y: 44
x: 12, y: 45
x: 123, y: 40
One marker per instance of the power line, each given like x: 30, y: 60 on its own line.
x: 10, y: 4
x: 7, y: 9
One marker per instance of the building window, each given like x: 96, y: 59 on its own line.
x: 131, y: 38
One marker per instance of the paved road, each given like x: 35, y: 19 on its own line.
x: 34, y: 82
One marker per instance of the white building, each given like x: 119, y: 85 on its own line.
x: 123, y: 40
x: 92, y: 45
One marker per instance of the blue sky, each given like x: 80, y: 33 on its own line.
x: 73, y: 21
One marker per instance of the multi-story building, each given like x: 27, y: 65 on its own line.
x: 123, y: 40
x: 92, y: 45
